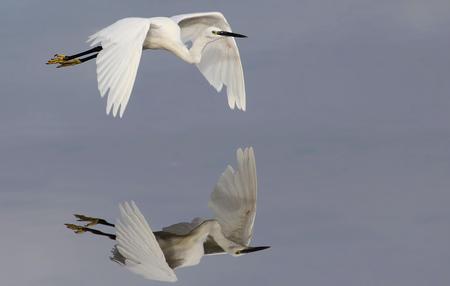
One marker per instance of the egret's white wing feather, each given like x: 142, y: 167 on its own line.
x: 233, y: 200
x: 138, y: 245
x: 118, y: 61
x: 220, y: 63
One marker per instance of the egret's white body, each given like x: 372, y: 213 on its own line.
x: 155, y: 255
x: 217, y: 57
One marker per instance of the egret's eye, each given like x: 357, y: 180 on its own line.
x: 214, y: 32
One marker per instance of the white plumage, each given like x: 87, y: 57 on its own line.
x: 220, y: 62
x: 138, y: 245
x: 118, y: 62
x: 154, y: 255
x: 215, y: 55
x: 234, y: 198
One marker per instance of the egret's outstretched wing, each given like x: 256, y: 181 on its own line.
x: 138, y: 245
x: 220, y: 63
x: 118, y: 62
x: 233, y: 200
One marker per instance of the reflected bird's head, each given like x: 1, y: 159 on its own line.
x: 228, y: 34
x: 250, y: 249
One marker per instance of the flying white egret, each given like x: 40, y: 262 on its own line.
x: 155, y: 255
x: 118, y: 50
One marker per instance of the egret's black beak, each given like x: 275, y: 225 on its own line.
x: 252, y: 249
x: 230, y: 34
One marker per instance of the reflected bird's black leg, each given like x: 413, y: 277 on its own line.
x: 83, y: 229
x: 91, y: 221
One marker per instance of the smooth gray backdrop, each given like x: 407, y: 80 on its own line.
x: 348, y: 111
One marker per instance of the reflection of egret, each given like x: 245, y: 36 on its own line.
x: 213, y: 49
x: 154, y: 255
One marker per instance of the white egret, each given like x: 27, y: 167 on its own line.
x: 155, y: 255
x: 118, y: 50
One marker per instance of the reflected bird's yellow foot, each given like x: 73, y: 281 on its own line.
x: 75, y: 228
x: 91, y: 220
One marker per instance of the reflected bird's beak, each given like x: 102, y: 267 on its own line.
x: 230, y: 34
x: 252, y: 249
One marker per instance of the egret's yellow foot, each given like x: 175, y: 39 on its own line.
x: 69, y: 63
x: 75, y: 228
x: 63, y: 61
x: 91, y: 220
x: 57, y: 59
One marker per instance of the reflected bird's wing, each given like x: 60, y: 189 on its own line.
x: 138, y: 245
x: 118, y: 61
x: 210, y: 246
x: 183, y: 228
x: 233, y: 200
x: 220, y: 63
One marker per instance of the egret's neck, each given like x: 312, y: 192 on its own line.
x: 194, y: 54
x: 197, y: 48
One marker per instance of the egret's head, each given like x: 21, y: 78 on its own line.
x: 216, y: 32
x: 249, y: 249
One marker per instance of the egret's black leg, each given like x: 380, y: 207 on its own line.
x: 76, y: 61
x: 93, y: 50
x: 65, y: 61
x: 88, y: 58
